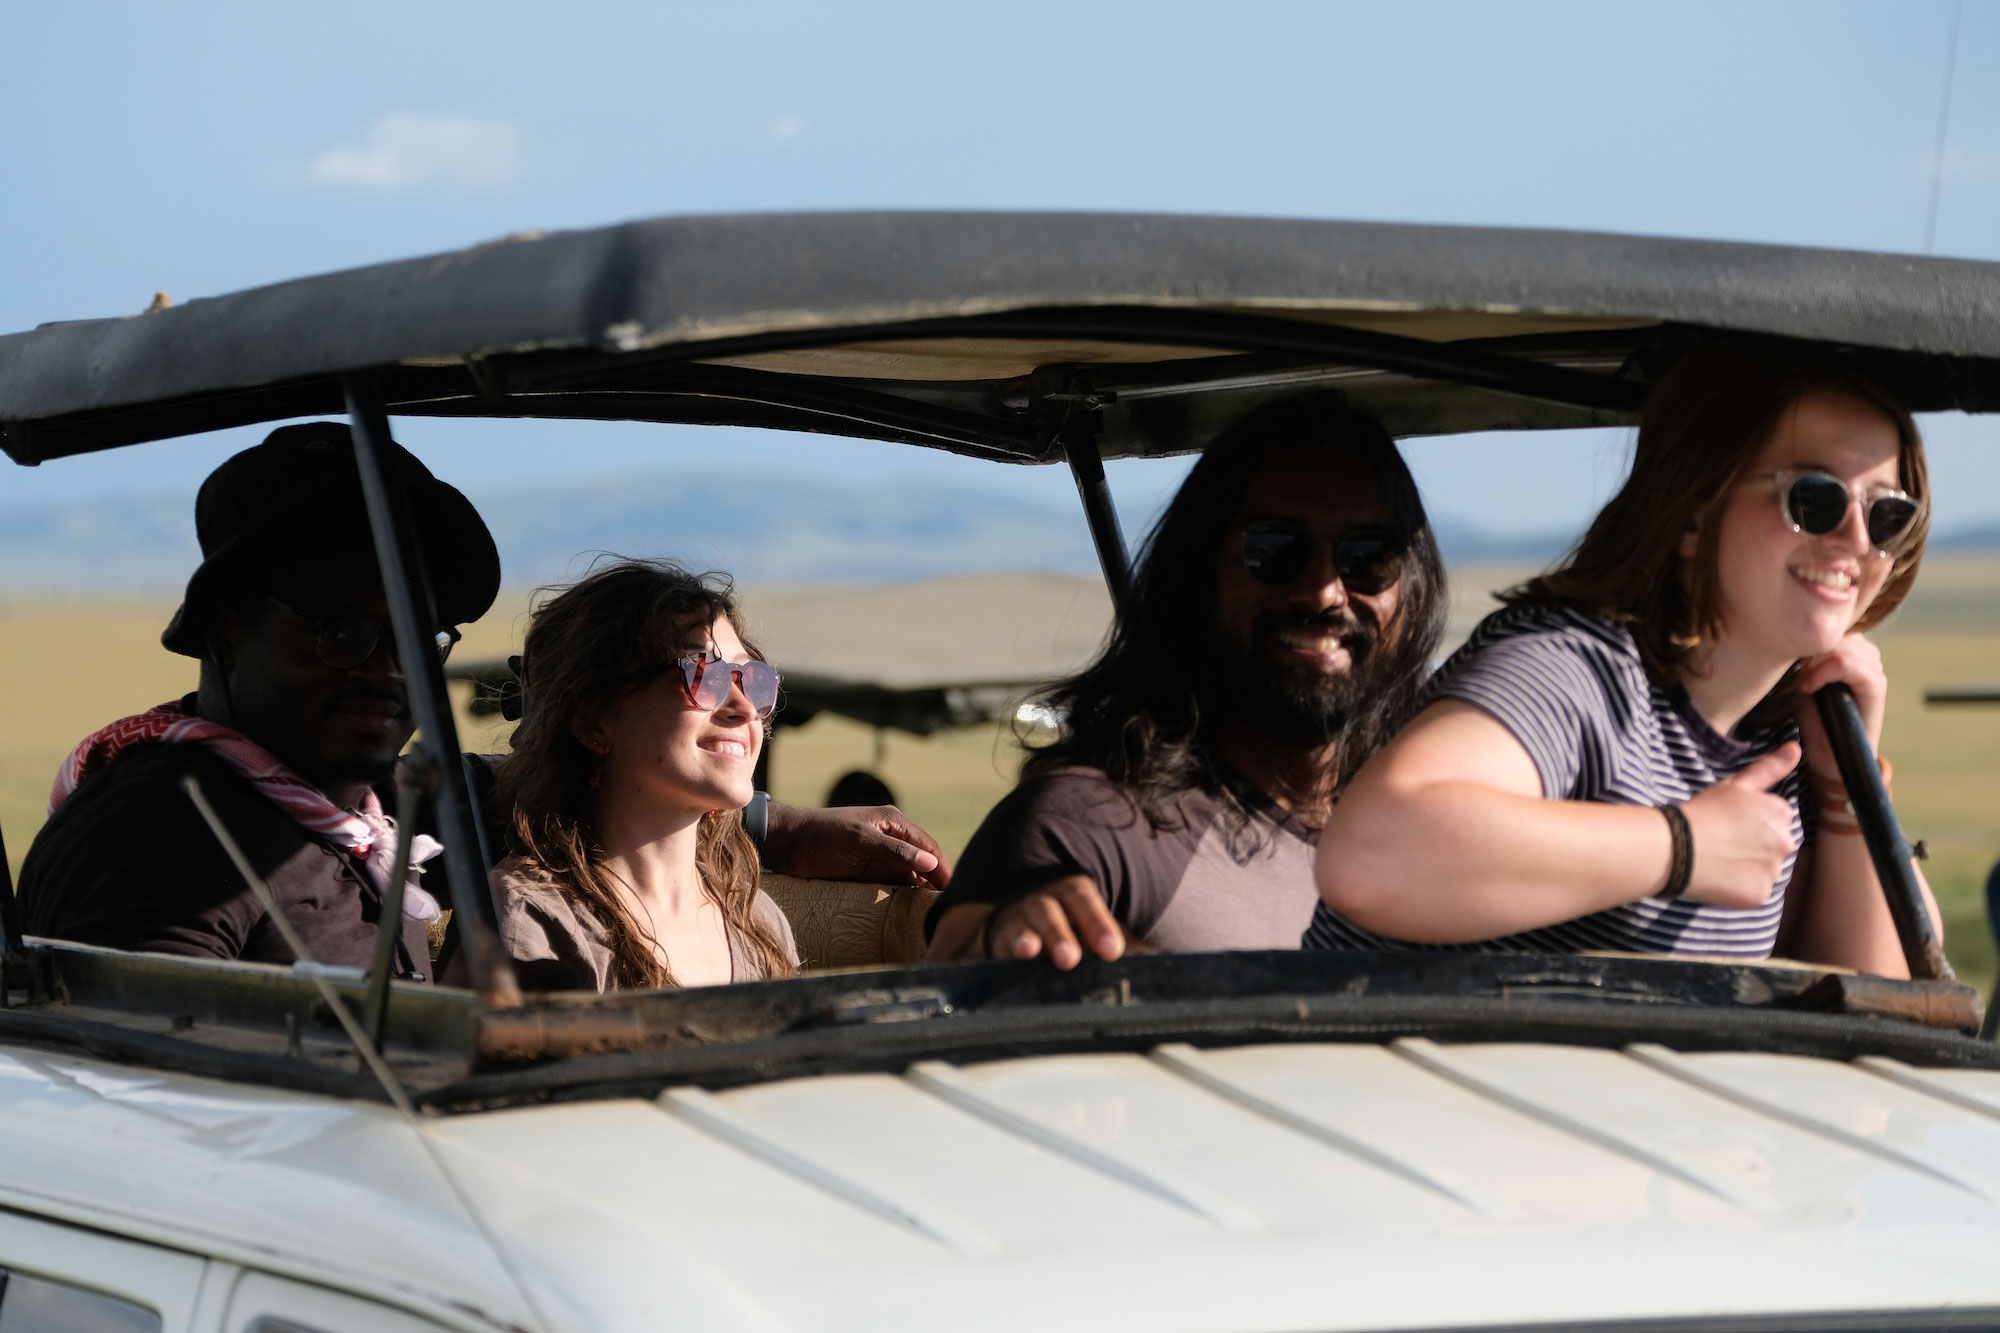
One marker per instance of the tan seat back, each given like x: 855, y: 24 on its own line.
x: 838, y: 923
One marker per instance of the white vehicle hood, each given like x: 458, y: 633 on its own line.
x: 1311, y: 1186
x: 1276, y: 1187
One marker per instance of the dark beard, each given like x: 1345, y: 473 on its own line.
x: 1300, y: 706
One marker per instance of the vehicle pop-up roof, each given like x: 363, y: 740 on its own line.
x: 1019, y: 338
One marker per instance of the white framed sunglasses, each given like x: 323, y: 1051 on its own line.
x: 1816, y: 503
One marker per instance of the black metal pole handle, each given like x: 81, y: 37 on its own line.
x: 1887, y: 847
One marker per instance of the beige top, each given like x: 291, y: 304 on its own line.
x: 540, y: 921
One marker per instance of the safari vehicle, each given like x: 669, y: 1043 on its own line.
x: 1225, y: 1141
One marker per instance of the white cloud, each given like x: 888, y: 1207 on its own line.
x: 1958, y: 165
x: 407, y: 149
x: 785, y: 127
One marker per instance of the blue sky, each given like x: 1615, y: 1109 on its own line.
x: 200, y: 148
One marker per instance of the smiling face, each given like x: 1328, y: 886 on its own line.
x: 1301, y: 647
x: 1791, y: 594
x: 333, y: 726
x: 657, y: 745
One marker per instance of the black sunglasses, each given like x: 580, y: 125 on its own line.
x: 345, y: 642
x: 1277, y: 550
x: 1816, y: 503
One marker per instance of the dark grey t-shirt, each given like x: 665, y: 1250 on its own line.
x: 1198, y: 883
x: 1572, y: 689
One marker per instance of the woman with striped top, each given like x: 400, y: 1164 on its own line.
x: 1613, y: 759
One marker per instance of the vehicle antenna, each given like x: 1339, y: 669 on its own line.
x: 362, y: 1045
x: 416, y: 776
x: 1944, y: 124
x: 413, y: 615
x: 366, y: 1048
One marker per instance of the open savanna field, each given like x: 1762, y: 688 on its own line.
x: 67, y: 667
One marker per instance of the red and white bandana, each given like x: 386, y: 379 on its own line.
x: 368, y: 832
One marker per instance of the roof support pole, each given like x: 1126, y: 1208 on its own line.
x: 1887, y: 848
x: 1086, y: 464
x: 413, y: 616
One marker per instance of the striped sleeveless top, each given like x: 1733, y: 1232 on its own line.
x: 1572, y: 689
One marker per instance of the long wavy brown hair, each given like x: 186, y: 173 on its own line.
x: 589, y: 645
x: 1702, y: 430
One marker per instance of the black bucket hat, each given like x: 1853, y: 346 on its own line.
x: 307, y: 472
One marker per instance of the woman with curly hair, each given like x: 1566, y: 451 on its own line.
x: 643, y: 712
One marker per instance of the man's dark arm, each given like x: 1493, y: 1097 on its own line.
x: 875, y: 844
x: 1057, y: 870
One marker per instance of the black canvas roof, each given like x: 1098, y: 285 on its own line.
x: 976, y: 331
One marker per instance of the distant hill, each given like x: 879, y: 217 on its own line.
x: 136, y: 545
x: 1460, y: 541
x: 763, y: 530
x: 1983, y: 538
x: 770, y: 531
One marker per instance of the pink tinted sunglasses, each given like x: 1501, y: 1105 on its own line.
x: 706, y: 679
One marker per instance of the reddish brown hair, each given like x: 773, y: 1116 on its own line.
x: 1703, y: 427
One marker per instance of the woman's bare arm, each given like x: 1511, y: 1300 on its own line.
x: 1445, y: 837
x: 1845, y: 918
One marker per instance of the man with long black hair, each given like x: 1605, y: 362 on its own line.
x: 1282, y: 620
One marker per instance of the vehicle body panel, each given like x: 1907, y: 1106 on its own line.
x: 1260, y: 1187
x: 337, y: 1192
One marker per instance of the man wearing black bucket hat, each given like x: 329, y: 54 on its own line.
x: 294, y: 734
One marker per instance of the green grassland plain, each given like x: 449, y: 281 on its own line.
x: 67, y: 667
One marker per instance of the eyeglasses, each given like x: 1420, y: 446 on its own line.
x: 345, y: 642
x: 706, y: 679
x: 1277, y: 550
x: 1816, y: 503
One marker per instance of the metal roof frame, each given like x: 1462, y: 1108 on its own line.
x: 1182, y: 324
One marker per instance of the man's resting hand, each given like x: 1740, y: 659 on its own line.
x: 876, y: 844
x: 1061, y: 921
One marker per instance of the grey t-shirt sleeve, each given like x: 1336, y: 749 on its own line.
x: 1549, y: 691
x: 1071, y: 822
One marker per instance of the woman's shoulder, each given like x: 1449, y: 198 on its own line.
x: 764, y: 910
x: 1563, y: 644
x: 523, y: 882
x: 541, y: 920
x: 1559, y: 626
x: 1553, y: 663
